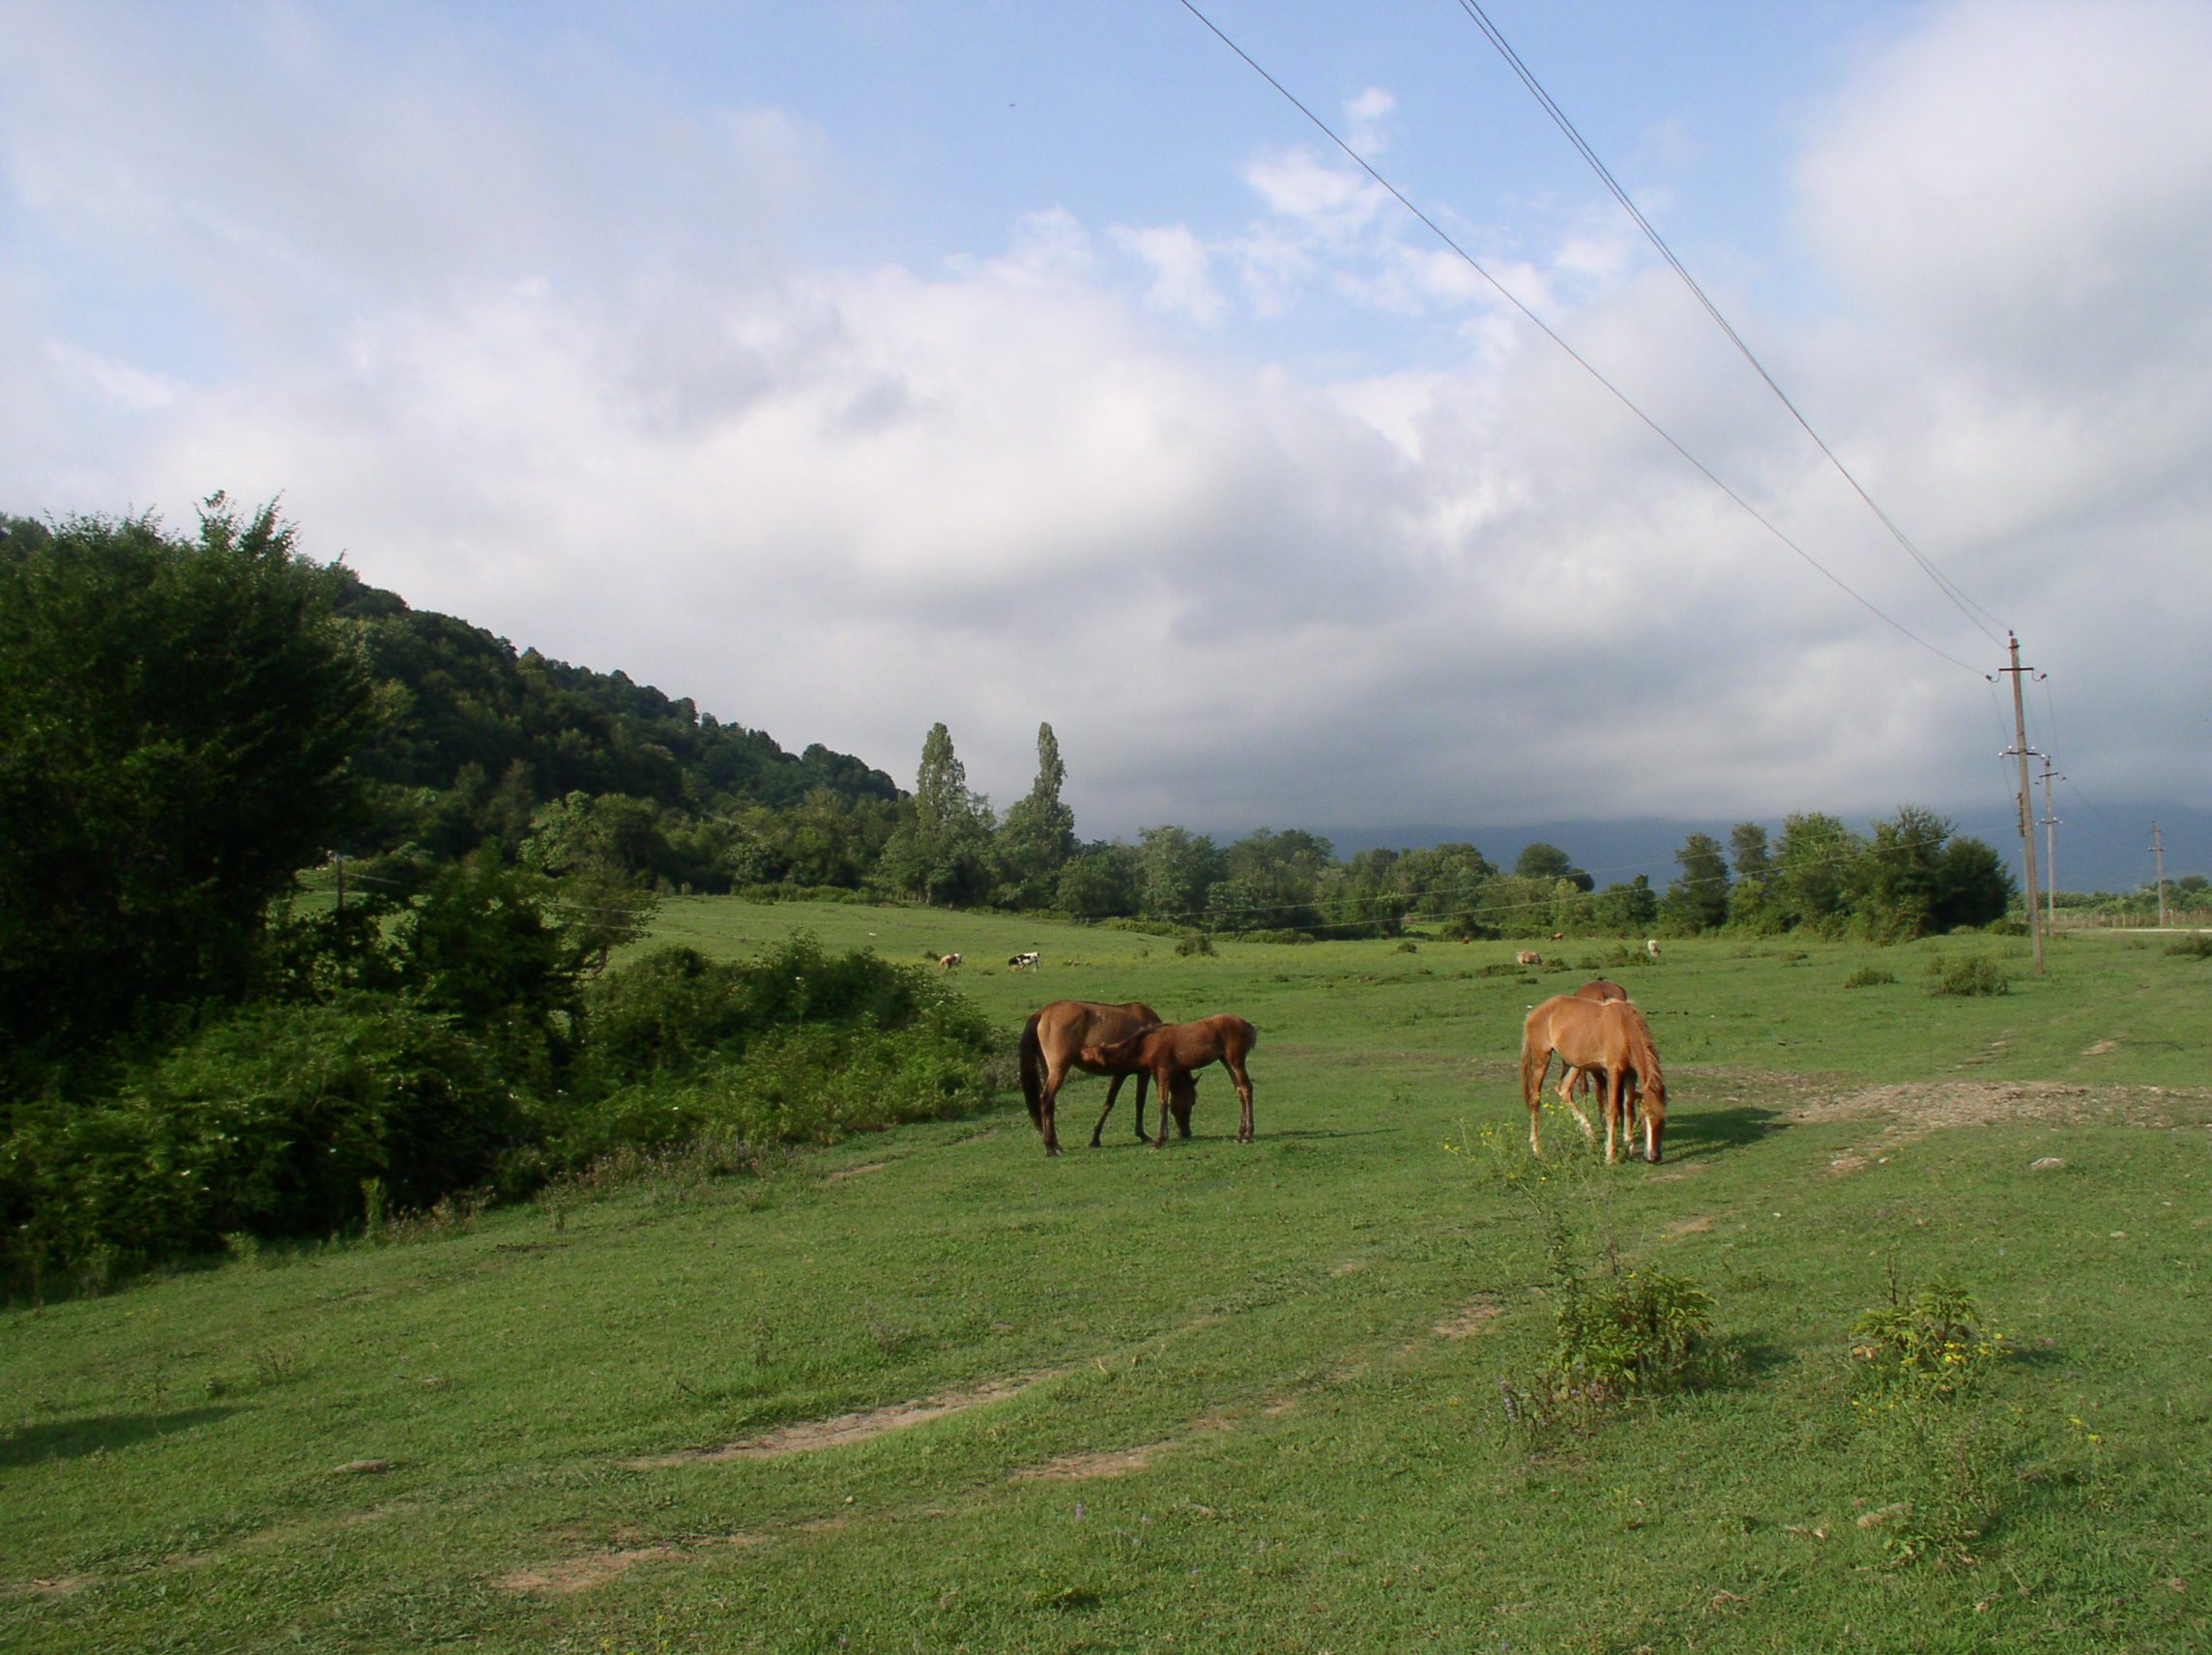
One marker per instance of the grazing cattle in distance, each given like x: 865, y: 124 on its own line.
x: 1651, y: 946
x: 1174, y: 1050
x: 1529, y: 957
x: 1053, y: 1041
x: 1024, y: 962
x: 1611, y: 1039
x: 1558, y: 936
x: 949, y: 961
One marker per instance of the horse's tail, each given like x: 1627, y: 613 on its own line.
x: 1032, y: 1069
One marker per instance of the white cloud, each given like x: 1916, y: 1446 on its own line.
x: 641, y: 430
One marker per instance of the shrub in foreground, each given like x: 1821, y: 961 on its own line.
x: 267, y: 1123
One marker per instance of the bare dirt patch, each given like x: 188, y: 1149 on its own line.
x: 51, y: 1586
x: 571, y: 1575
x: 1691, y: 1226
x: 809, y: 1434
x: 1476, y: 1318
x: 855, y: 1171
x: 1085, y: 1467
x: 1923, y: 1106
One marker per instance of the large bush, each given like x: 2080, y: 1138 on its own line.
x: 268, y: 1122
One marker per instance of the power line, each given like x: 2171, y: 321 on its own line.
x: 1945, y: 583
x: 1582, y: 362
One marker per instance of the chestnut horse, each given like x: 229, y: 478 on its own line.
x: 1611, y: 1039
x: 1180, y: 1049
x: 1576, y: 1080
x: 1053, y: 1041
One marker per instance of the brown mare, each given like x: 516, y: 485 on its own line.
x: 1180, y: 1049
x: 1611, y: 1039
x: 1053, y: 1041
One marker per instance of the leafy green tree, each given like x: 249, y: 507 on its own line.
x: 1100, y: 882
x: 941, y: 849
x: 1179, y: 869
x: 1974, y: 884
x: 1539, y: 860
x: 176, y: 722
x: 1698, y: 899
x: 1750, y: 852
x: 614, y: 838
x: 1814, y: 871
x: 1630, y: 907
x: 1898, y: 883
x: 1038, y: 834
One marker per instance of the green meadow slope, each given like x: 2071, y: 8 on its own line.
x: 929, y: 1391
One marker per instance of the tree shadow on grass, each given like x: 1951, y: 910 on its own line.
x: 74, y: 1438
x: 1712, y: 1131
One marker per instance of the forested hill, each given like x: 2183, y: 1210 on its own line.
x: 475, y: 728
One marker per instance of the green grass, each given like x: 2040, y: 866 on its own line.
x: 1307, y: 1465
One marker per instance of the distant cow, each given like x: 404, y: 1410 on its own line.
x: 1651, y: 946
x: 1024, y: 962
x: 949, y: 961
x: 1529, y: 957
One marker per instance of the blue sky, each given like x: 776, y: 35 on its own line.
x: 854, y: 365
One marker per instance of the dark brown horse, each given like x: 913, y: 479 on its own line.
x: 1053, y: 1041
x: 1611, y: 1039
x: 1181, y: 1048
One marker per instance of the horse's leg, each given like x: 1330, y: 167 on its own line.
x: 1611, y: 1090
x: 1234, y: 1064
x: 1568, y: 1080
x: 1054, y: 1073
x: 1163, y: 1083
x: 1114, y: 1091
x: 1143, y: 1076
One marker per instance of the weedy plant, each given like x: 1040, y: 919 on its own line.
x: 2197, y: 946
x: 1869, y: 976
x: 1919, y: 1359
x: 1620, y: 1331
x: 1967, y: 975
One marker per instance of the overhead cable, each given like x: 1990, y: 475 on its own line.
x: 1582, y: 362
x: 1945, y: 583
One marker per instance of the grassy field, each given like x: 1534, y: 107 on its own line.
x: 1216, y: 1397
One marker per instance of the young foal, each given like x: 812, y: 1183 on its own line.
x: 1178, y: 1049
x: 1611, y: 1039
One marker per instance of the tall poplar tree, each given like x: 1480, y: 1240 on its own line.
x: 1038, y: 834
x: 941, y: 851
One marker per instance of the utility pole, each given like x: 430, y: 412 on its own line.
x: 2020, y: 750
x: 2049, y: 847
x: 2157, y: 849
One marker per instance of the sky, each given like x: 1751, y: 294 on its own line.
x: 850, y: 365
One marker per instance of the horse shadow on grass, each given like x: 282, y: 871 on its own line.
x: 1716, y: 1131
x: 74, y: 1438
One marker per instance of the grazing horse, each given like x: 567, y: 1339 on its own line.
x: 1053, y: 1041
x: 1024, y: 962
x: 1175, y: 1049
x: 1608, y: 1038
x: 949, y: 961
x: 1576, y: 1080
x: 1527, y: 957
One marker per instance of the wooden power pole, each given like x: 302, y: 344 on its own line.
x: 2157, y: 849
x: 2050, y: 848
x: 2020, y: 750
